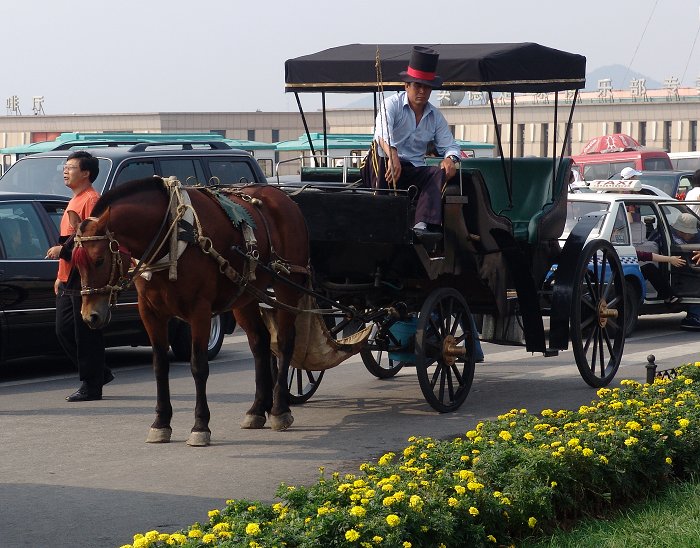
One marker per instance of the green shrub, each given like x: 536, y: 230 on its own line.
x: 506, y: 479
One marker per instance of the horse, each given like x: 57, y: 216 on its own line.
x: 219, y: 269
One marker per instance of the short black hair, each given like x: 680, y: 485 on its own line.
x: 87, y: 163
x: 695, y: 180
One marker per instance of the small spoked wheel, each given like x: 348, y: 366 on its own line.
x: 377, y: 360
x: 598, y: 313
x: 445, y: 350
x: 302, y: 384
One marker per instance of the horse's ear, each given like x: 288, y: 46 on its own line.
x: 73, y: 219
x: 103, y: 220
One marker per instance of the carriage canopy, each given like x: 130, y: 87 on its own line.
x: 525, y: 67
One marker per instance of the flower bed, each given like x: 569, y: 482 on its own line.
x: 508, y: 478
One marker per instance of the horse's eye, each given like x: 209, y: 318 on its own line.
x: 99, y: 261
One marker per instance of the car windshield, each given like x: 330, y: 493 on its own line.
x: 576, y: 210
x: 44, y: 175
x: 665, y: 183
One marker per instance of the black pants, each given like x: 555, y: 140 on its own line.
x: 652, y: 273
x: 84, y: 346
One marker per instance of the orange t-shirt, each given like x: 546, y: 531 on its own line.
x: 82, y: 204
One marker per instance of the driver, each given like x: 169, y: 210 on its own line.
x: 404, y: 127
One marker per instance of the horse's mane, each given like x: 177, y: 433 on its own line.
x: 126, y: 189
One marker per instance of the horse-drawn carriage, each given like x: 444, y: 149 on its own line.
x: 503, y: 217
x: 201, y: 251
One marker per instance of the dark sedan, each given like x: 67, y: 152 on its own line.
x: 28, y: 227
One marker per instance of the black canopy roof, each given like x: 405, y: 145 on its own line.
x: 526, y: 67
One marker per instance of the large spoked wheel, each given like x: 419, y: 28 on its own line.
x: 445, y: 350
x: 598, y: 313
x: 302, y: 384
x: 377, y: 360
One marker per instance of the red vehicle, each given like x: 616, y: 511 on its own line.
x: 606, y: 156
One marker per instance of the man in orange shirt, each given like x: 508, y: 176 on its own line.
x: 84, y: 346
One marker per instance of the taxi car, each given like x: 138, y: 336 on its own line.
x: 633, y: 220
x: 28, y: 227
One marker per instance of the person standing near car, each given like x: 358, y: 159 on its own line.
x: 694, y: 193
x: 84, y: 346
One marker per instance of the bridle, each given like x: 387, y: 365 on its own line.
x: 118, y: 279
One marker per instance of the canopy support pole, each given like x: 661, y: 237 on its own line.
x: 500, y: 151
x: 306, y: 128
x: 325, y: 129
x: 554, y: 141
x: 567, y: 132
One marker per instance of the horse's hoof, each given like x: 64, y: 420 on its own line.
x: 199, y: 439
x: 253, y: 421
x: 159, y: 435
x: 281, y: 422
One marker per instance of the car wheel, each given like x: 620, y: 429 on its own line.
x: 182, y: 342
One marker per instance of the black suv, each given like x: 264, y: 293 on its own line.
x: 42, y: 174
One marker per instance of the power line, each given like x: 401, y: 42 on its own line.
x: 690, y: 54
x: 639, y: 43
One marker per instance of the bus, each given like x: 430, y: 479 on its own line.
x: 264, y: 153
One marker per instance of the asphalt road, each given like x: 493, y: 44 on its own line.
x: 82, y: 475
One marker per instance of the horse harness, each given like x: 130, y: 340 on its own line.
x: 186, y: 228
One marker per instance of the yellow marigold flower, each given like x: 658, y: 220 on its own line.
x: 387, y: 487
x: 225, y: 534
x: 388, y: 501
x: 415, y: 501
x: 683, y: 423
x: 143, y: 542
x: 506, y: 501
x: 322, y: 510
x: 505, y: 435
x: 474, y: 485
x: 471, y: 434
x: 358, y: 511
x: 406, y: 544
x: 452, y: 502
x: 573, y: 442
x: 631, y: 441
x: 678, y: 433
x: 377, y: 539
x: 209, y: 538
x: 464, y: 458
x: 460, y: 489
x: 222, y: 526
x: 669, y: 460
x: 252, y: 529
x: 497, y: 494
x: 603, y: 459
x: 355, y: 497
x: 553, y: 484
x: 465, y: 474
x: 476, y: 460
x: 194, y: 533
x: 491, y: 538
x: 253, y: 544
x: 178, y: 538
x: 547, y: 413
x: 587, y: 452
x: 388, y: 457
x: 688, y: 381
x: 393, y: 520
x: 656, y: 427
x: 529, y: 436
x: 531, y: 522
x: 633, y: 425
x: 151, y: 535
x: 473, y: 511
x: 351, y: 535
x: 229, y: 502
x: 164, y: 537
x: 424, y: 455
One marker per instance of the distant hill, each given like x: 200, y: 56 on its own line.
x: 619, y: 76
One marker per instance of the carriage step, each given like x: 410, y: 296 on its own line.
x: 550, y: 352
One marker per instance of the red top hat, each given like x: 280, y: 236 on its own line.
x: 421, y: 67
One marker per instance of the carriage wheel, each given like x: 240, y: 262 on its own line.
x: 302, y: 384
x: 377, y: 361
x: 598, y: 313
x: 445, y: 350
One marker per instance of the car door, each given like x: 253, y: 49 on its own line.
x: 27, y: 299
x: 685, y: 281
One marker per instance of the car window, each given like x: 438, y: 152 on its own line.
x: 620, y: 234
x: 45, y: 175
x: 21, y: 232
x: 656, y: 164
x: 643, y: 221
x: 596, y: 171
x: 231, y: 172
x: 575, y: 211
x: 55, y: 213
x: 139, y: 169
x: 664, y: 183
x: 188, y: 171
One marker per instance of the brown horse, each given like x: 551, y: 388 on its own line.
x: 216, y: 272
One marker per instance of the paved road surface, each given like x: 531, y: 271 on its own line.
x: 81, y: 475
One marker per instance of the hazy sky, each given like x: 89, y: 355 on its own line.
x: 94, y: 56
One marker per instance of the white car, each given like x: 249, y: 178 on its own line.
x: 633, y: 220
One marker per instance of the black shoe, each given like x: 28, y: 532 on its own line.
x: 673, y: 299
x: 427, y: 237
x: 84, y: 393
x: 690, y: 323
x: 109, y: 377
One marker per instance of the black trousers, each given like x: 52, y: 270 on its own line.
x: 84, y: 346
x: 652, y: 273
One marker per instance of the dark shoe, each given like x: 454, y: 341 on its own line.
x: 690, y: 323
x: 673, y: 299
x: 109, y: 377
x: 427, y: 237
x: 84, y: 393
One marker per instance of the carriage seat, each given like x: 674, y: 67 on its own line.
x: 328, y: 174
x: 538, y: 213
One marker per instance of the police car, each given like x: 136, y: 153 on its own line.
x: 636, y: 220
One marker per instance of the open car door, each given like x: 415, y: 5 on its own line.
x: 682, y: 237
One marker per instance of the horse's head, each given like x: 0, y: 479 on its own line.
x: 103, y: 266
